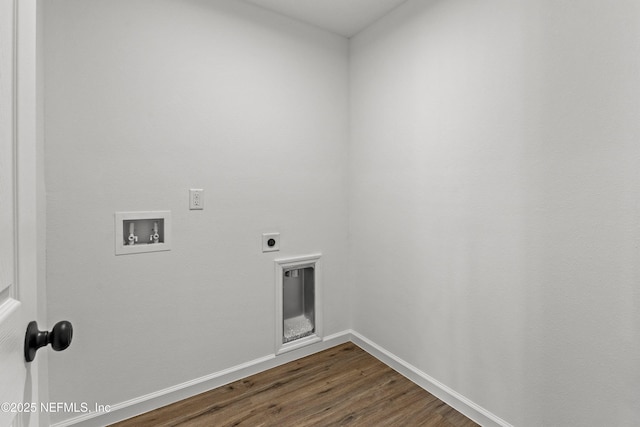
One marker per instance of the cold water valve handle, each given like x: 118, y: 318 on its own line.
x: 155, y: 237
x: 59, y: 338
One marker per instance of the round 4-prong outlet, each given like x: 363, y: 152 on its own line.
x: 270, y: 242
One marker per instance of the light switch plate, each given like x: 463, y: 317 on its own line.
x: 270, y: 242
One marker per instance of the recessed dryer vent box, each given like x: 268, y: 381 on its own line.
x: 298, y: 302
x: 138, y: 232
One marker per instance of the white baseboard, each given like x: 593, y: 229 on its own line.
x: 433, y: 386
x: 149, y: 402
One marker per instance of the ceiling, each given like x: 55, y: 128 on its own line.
x: 344, y: 17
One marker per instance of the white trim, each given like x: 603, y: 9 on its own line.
x: 433, y: 386
x: 14, y: 151
x: 26, y: 181
x: 281, y: 264
x: 151, y: 401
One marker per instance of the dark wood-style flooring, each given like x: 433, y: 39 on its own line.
x: 340, y: 386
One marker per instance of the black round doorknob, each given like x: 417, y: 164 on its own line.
x: 271, y: 243
x: 59, y: 338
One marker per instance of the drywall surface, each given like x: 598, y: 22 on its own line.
x: 144, y: 100
x: 494, y: 215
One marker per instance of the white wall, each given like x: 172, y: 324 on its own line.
x: 494, y: 216
x: 145, y: 100
x: 493, y: 174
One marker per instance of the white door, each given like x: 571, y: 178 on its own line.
x: 17, y: 212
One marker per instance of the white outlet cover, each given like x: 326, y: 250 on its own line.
x: 266, y: 237
x: 196, y: 199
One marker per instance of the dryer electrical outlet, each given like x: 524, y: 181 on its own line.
x: 270, y: 242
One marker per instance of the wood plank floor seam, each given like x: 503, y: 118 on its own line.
x: 341, y: 386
